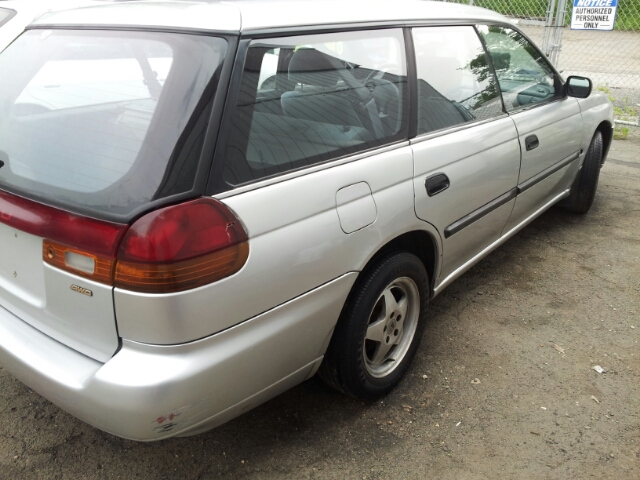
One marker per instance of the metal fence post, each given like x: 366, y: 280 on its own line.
x: 558, y: 29
x: 546, y: 42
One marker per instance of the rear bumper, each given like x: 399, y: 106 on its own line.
x: 149, y: 392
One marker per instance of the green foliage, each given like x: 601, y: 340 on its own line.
x: 620, y: 133
x: 627, y: 19
x: 623, y: 111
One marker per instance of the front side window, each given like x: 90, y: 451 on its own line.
x: 308, y: 99
x: 524, y: 74
x: 102, y: 121
x: 455, y: 83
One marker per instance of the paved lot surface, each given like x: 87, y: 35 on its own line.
x: 502, y: 387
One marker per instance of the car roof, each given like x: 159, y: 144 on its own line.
x: 24, y: 13
x: 242, y: 16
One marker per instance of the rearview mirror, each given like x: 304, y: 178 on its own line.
x: 578, y: 87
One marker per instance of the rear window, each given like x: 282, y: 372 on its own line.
x: 104, y: 121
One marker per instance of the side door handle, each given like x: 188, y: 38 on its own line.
x: 436, y: 183
x: 531, y: 142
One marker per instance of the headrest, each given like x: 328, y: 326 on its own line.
x: 311, y: 67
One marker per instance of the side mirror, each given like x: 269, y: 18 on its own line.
x: 578, y: 87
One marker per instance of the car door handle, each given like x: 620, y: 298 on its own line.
x: 436, y: 183
x: 531, y: 142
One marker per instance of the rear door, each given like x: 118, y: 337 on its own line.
x: 466, y: 154
x: 549, y: 126
x: 301, y: 167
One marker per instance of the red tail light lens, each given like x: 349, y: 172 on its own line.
x: 181, y: 247
x: 97, y: 236
x: 94, y: 241
x: 169, y: 250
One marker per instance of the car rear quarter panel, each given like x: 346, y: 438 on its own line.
x: 296, y: 244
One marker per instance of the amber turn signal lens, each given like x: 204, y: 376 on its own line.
x: 94, y: 267
x: 182, y: 275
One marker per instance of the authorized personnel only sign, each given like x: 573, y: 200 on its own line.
x: 593, y: 14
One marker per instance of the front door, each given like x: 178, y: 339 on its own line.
x: 549, y: 125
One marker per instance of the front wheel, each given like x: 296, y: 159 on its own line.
x: 379, y: 329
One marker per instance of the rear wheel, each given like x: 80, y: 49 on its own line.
x: 379, y: 329
x: 584, y: 187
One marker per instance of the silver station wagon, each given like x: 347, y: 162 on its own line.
x: 202, y: 204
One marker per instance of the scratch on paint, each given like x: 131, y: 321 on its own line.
x: 165, y: 423
x: 165, y: 428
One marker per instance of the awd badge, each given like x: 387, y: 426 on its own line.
x: 84, y: 291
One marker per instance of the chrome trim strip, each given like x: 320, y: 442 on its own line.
x: 476, y: 215
x: 306, y: 171
x: 463, y: 268
x: 345, y: 26
x: 527, y: 184
x: 132, y: 28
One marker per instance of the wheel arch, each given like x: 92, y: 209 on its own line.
x: 606, y: 129
x: 420, y: 243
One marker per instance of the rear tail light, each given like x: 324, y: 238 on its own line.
x: 168, y: 250
x: 181, y: 247
x: 98, y: 268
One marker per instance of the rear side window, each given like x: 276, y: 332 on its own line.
x: 524, y: 74
x: 455, y: 82
x: 308, y: 99
x: 103, y: 121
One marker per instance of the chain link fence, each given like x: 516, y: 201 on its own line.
x: 611, y: 59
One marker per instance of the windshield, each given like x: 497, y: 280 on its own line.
x: 104, y: 121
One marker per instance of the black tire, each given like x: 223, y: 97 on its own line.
x: 583, y: 190
x: 366, y: 368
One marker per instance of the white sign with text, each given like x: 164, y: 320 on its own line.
x: 594, y: 14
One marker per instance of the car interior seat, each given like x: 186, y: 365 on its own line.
x: 316, y: 96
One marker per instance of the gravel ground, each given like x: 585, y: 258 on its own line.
x: 503, y: 385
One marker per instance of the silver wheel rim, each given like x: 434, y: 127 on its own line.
x: 391, y: 327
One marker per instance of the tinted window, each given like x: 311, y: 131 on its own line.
x: 524, y: 74
x: 95, y: 120
x: 455, y: 82
x: 308, y: 99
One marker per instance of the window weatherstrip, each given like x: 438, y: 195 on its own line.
x: 487, y: 55
x: 412, y: 82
